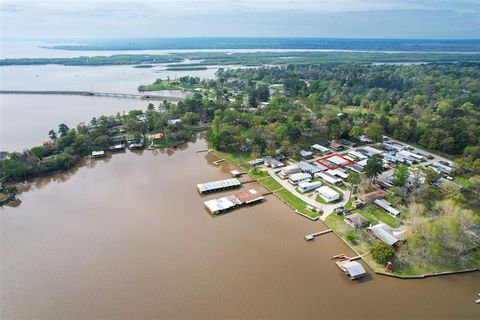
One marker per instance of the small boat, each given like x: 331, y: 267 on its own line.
x: 477, y: 301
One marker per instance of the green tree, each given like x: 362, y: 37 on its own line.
x: 400, y: 175
x: 375, y: 131
x: 355, y: 132
x: 382, y: 252
x: 354, y: 179
x: 374, y: 167
x: 52, y: 134
x: 63, y: 129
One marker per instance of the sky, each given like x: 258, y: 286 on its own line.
x: 457, y: 19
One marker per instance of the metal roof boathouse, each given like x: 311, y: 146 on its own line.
x: 218, y: 185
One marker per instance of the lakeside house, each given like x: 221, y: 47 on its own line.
x: 97, y: 154
x: 382, y: 232
x: 299, y: 177
x: 273, y: 163
x: 256, y: 162
x: 327, y: 194
x: 356, y: 220
x: 288, y: 170
x: 385, y: 205
x: 116, y: 148
x: 307, y: 186
x: 155, y: 137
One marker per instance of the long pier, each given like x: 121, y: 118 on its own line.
x: 94, y: 94
x: 312, y: 236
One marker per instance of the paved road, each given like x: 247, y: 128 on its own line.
x: 327, y: 208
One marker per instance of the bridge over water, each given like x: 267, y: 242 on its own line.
x: 96, y: 94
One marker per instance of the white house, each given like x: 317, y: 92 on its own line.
x: 299, y: 177
x: 328, y: 178
x: 306, y: 186
x: 319, y: 148
x: 327, y: 194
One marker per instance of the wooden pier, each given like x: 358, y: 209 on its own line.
x: 219, y: 161
x: 202, y: 150
x: 312, y: 236
x: 90, y: 93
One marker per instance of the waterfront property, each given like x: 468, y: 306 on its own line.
x: 307, y: 186
x: 97, y: 154
x: 155, y: 137
x: 384, y: 233
x: 218, y: 185
x: 216, y: 206
x: 273, y: 163
x: 116, y: 148
x: 327, y: 194
x: 356, y: 220
x: 288, y: 170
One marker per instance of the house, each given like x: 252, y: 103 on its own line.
x: 328, y: 178
x: 97, y: 154
x: 348, y: 143
x: 371, y: 196
x: 47, y: 142
x: 142, y: 117
x: 155, y: 137
x: 336, y: 146
x: 442, y: 168
x: 306, y: 154
x: 273, y: 163
x: 308, y: 167
x: 364, y: 139
x: 337, y: 160
x: 306, y: 186
x: 357, y: 155
x: 299, y: 177
x: 256, y: 162
x: 385, y: 205
x: 369, y: 151
x: 355, y: 168
x: 319, y: 148
x: 116, y: 148
x: 327, y: 194
x: 382, y: 232
x: 339, y: 172
x: 287, y: 171
x: 356, y: 220
x: 173, y: 121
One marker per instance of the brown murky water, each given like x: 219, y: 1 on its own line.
x: 128, y: 237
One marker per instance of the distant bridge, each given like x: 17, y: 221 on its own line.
x: 96, y: 94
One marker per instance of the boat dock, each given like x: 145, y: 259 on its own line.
x: 219, y: 161
x: 218, y: 185
x: 201, y: 150
x: 312, y: 236
x: 220, y: 205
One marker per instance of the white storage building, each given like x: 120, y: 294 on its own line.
x: 327, y: 194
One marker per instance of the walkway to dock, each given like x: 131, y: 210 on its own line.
x: 312, y: 236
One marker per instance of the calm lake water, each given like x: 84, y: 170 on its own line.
x: 128, y: 237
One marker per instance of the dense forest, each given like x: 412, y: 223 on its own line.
x: 436, y: 106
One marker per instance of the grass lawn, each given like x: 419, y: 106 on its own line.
x: 237, y: 158
x: 257, y: 174
x: 295, y: 202
x: 375, y: 215
x: 270, y: 183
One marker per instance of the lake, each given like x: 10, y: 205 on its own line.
x: 129, y: 237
